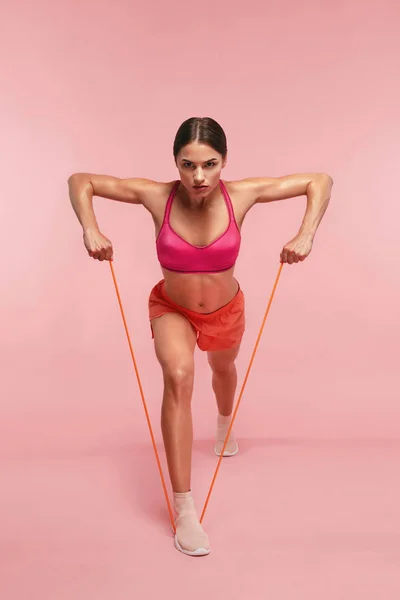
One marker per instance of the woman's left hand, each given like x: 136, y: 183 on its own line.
x: 297, y: 249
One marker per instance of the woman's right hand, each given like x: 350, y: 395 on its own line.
x: 97, y: 245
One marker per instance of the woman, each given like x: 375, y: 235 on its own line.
x: 198, y: 220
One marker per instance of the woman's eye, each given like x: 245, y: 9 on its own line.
x: 188, y: 165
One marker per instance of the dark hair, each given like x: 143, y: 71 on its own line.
x: 201, y: 129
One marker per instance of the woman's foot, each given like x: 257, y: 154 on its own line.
x: 232, y: 447
x: 190, y: 537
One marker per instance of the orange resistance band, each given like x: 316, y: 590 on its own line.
x: 144, y: 402
x: 234, y: 413
x: 241, y: 392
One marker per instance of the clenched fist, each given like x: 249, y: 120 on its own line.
x: 297, y: 249
x: 97, y: 245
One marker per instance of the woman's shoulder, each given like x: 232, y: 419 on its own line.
x: 243, y: 192
x: 155, y: 191
x: 246, y: 185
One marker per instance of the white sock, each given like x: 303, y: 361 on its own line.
x: 190, y: 535
x: 220, y: 435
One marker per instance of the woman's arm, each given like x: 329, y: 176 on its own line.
x: 82, y: 188
x: 317, y: 187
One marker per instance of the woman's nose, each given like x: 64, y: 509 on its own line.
x: 198, y: 176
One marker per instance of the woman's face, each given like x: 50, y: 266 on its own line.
x: 200, y: 169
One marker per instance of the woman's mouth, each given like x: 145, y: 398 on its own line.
x: 200, y: 188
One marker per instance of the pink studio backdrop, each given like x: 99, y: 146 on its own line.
x: 103, y: 87
x: 297, y: 88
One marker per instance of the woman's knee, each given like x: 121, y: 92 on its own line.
x: 223, y: 369
x: 178, y: 376
x: 223, y: 363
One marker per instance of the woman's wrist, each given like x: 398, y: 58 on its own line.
x: 90, y: 229
x: 306, y: 233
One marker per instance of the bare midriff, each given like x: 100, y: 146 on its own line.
x: 201, y: 292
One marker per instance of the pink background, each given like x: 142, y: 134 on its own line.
x: 102, y: 87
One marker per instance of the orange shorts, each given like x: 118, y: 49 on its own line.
x: 219, y: 330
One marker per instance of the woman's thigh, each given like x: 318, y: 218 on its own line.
x: 174, y: 343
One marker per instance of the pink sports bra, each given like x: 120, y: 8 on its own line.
x: 176, y: 254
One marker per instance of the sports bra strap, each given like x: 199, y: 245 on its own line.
x: 169, y: 202
x: 228, y: 201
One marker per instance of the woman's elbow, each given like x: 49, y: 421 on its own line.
x: 77, y: 177
x: 326, y: 178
